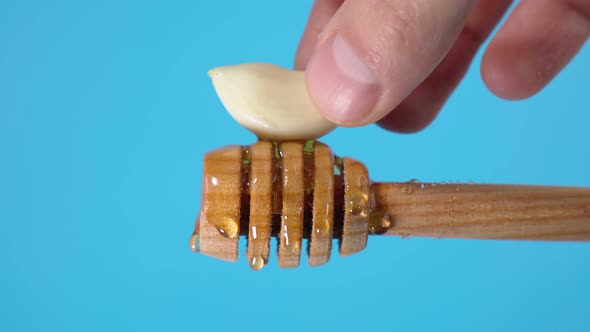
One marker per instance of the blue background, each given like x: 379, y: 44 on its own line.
x: 105, y: 113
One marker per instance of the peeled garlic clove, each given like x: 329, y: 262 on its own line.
x: 270, y: 101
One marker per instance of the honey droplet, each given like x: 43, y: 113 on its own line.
x: 194, y: 242
x: 357, y: 204
x: 380, y: 223
x: 322, y: 228
x: 228, y: 227
x: 256, y: 263
x: 195, y: 237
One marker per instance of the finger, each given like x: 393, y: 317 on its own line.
x: 539, y: 38
x: 373, y: 53
x: 424, y: 103
x: 320, y: 14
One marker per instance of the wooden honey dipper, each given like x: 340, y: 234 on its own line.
x: 295, y: 190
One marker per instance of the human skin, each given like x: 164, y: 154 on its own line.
x: 396, y: 62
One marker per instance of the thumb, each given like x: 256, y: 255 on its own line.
x: 373, y: 53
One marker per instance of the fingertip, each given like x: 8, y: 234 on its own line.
x: 341, y: 85
x: 507, y: 75
x: 370, y: 58
x: 535, y: 43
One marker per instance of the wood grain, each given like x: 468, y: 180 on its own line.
x: 291, y: 232
x: 221, y: 202
x: 357, y: 192
x: 481, y: 211
x: 323, y: 206
x: 261, y: 161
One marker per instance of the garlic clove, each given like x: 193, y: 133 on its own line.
x: 270, y: 101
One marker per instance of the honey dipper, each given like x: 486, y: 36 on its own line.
x: 295, y: 190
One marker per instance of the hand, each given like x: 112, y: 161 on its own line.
x: 396, y: 62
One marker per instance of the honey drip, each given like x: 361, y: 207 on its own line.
x: 257, y: 263
x: 194, y: 240
x: 358, y: 204
x: 229, y: 228
x: 322, y: 228
x: 380, y: 222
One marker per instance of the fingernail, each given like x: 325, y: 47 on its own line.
x: 340, y: 83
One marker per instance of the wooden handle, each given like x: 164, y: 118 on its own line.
x: 480, y: 211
